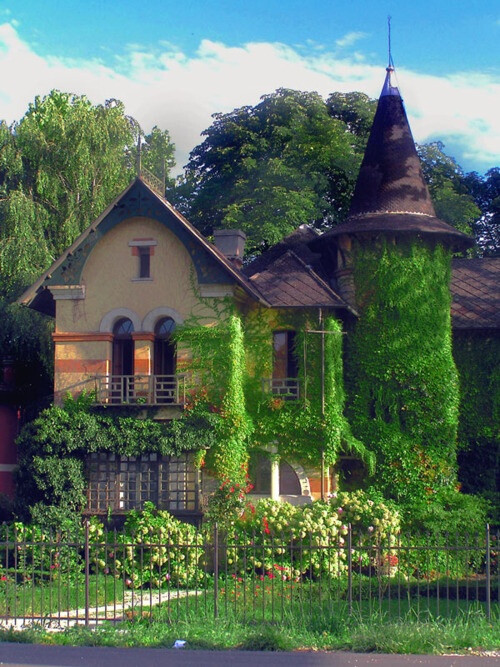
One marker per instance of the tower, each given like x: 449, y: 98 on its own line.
x: 393, y: 265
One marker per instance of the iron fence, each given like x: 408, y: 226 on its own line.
x: 96, y: 576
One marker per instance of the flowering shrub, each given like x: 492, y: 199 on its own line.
x: 228, y: 501
x: 310, y: 540
x: 153, y: 550
x: 43, y: 554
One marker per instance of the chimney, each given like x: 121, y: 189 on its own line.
x: 231, y: 243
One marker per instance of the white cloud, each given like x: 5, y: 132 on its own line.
x: 179, y: 93
x: 350, y: 38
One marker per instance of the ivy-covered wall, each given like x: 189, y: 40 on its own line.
x: 402, y: 380
x: 303, y: 429
x: 477, y: 356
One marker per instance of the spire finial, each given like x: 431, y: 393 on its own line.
x: 390, y: 66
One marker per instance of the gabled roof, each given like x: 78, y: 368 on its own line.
x: 475, y: 293
x: 297, y: 241
x: 391, y: 194
x: 138, y: 199
x: 288, y: 282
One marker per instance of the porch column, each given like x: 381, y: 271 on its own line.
x: 275, y: 478
x: 144, y: 343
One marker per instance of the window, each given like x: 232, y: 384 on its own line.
x: 123, y: 347
x: 143, y: 249
x: 144, y: 262
x: 284, y: 381
x: 164, y: 350
x: 123, y: 483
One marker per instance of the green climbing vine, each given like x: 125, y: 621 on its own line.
x: 402, y: 381
x: 477, y: 357
x: 302, y: 429
x: 54, y: 447
x: 218, y: 370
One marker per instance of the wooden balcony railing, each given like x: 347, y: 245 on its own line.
x: 140, y: 389
x: 286, y: 388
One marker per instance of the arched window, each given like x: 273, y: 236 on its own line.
x: 259, y: 470
x: 123, y: 347
x: 164, y: 352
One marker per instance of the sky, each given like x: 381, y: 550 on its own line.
x: 174, y: 64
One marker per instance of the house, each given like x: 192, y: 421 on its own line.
x: 141, y: 271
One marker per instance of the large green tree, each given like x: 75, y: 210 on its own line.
x: 293, y: 158
x: 448, y: 187
x: 60, y: 166
x: 269, y: 168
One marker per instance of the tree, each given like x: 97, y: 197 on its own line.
x: 269, y: 168
x: 157, y: 155
x: 60, y: 166
x: 485, y: 190
x: 356, y: 110
x: 448, y: 187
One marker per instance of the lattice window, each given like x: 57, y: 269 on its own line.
x: 122, y: 483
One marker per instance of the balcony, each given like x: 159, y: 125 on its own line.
x: 140, y: 389
x: 285, y: 388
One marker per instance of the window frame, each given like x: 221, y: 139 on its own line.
x: 143, y: 249
x: 119, y: 483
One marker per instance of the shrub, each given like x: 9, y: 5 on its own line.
x: 153, y: 550
x: 309, y: 540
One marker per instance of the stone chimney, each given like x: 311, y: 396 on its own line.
x: 231, y: 243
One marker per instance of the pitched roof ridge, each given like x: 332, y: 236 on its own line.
x: 239, y: 275
x: 317, y: 278
x: 384, y: 213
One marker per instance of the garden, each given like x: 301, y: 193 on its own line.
x: 270, y: 562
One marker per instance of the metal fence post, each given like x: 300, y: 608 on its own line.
x: 488, y: 573
x: 216, y: 570
x: 87, y: 574
x: 349, y: 567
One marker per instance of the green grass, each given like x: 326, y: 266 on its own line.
x: 57, y: 594
x: 274, y: 615
x: 466, y: 632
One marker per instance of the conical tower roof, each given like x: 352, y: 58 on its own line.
x: 391, y: 194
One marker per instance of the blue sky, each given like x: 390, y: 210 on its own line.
x: 176, y: 63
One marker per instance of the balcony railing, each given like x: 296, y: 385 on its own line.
x: 286, y: 388
x: 141, y: 389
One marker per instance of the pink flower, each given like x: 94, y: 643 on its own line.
x: 370, y: 529
x: 339, y: 510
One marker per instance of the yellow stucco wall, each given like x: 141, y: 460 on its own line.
x: 110, y: 270
x: 110, y: 281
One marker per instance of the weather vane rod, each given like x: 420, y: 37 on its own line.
x: 391, y: 62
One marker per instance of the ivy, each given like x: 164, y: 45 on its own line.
x: 303, y: 429
x: 53, y: 449
x: 218, y: 398
x: 403, y: 383
x: 477, y: 357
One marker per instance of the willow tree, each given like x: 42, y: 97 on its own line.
x: 60, y: 166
